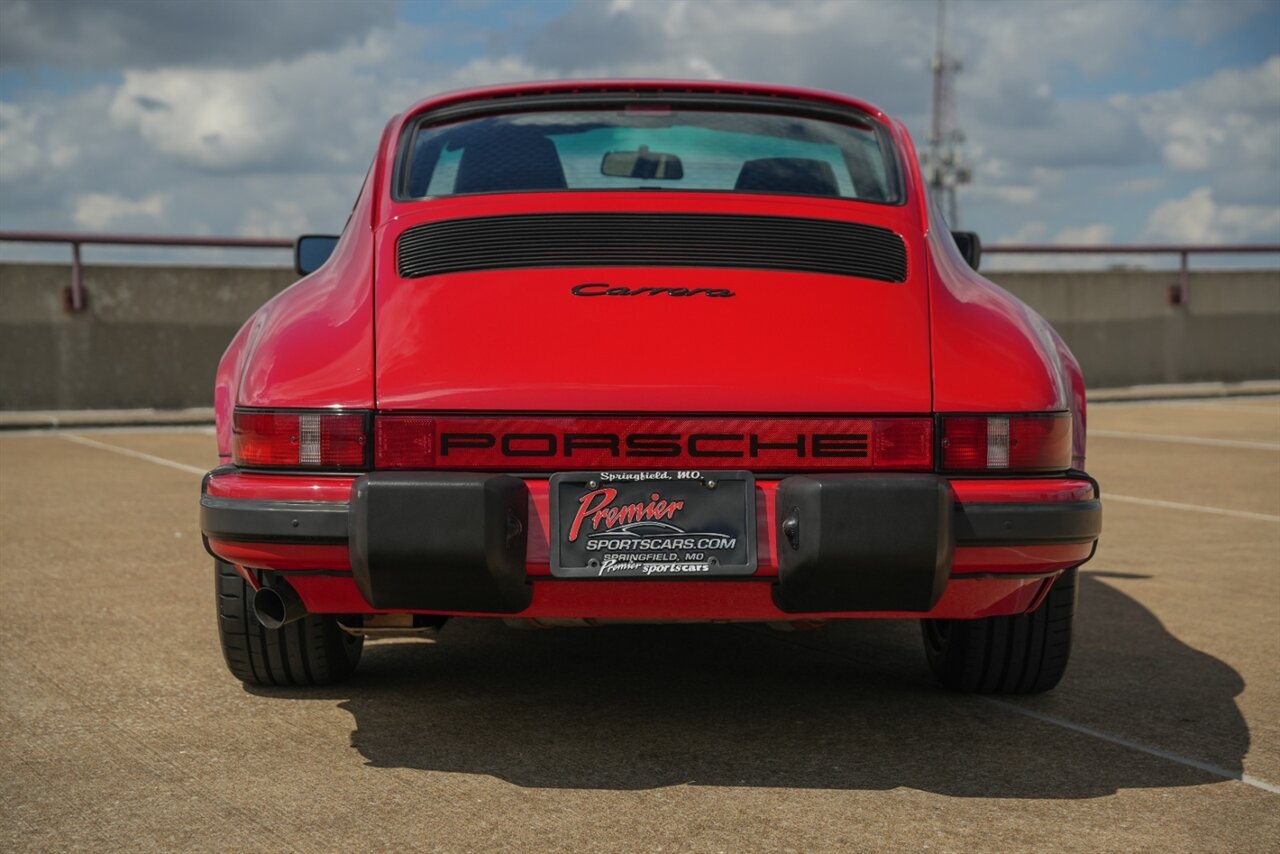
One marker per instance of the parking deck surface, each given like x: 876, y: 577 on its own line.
x: 121, y: 729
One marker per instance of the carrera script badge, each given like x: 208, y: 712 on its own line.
x: 601, y: 289
x: 653, y: 524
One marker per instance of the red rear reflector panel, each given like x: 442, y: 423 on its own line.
x: 523, y: 443
x: 903, y: 443
x: 404, y: 442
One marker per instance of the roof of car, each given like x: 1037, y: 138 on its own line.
x: 710, y: 87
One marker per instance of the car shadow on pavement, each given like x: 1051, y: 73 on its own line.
x: 850, y: 706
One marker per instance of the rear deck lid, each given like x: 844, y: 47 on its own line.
x: 638, y: 309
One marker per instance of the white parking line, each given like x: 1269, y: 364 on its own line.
x: 1228, y: 406
x: 1198, y: 508
x: 1255, y: 404
x: 104, y: 431
x: 128, y: 452
x: 1187, y: 440
x: 1217, y: 770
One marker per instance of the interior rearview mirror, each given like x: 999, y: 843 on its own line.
x: 642, y: 164
x: 969, y: 245
x: 310, y: 251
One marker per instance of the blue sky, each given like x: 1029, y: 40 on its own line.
x: 1086, y: 120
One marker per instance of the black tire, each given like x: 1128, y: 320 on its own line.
x: 310, y: 651
x: 1024, y: 654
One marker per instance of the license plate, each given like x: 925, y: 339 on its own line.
x: 653, y: 524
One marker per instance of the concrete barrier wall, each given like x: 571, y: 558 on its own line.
x: 1122, y: 328
x: 152, y: 336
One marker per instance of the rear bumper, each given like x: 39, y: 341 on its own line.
x: 325, y: 522
x: 999, y: 546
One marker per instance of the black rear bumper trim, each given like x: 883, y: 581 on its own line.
x: 1027, y: 524
x: 264, y: 521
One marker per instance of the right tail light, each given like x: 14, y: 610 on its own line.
x: 1006, y: 443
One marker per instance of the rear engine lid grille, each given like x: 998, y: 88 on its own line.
x: 652, y: 240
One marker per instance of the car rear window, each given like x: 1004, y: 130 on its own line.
x: 650, y: 148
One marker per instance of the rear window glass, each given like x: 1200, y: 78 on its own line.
x: 666, y: 149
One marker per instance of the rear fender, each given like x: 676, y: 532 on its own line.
x: 227, y: 381
x: 312, y: 344
x: 992, y: 352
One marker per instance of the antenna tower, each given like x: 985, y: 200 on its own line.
x: 944, y: 165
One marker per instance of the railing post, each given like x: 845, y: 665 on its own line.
x: 1175, y: 321
x: 1184, y: 279
x: 75, y: 301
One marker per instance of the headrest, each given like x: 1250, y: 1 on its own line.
x: 798, y: 175
x: 509, y: 161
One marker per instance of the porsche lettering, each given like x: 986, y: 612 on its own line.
x: 656, y: 445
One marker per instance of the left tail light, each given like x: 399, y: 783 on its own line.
x: 300, y: 439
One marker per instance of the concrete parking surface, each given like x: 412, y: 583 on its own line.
x: 121, y: 729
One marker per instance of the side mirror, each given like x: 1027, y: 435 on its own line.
x: 310, y: 251
x: 969, y: 245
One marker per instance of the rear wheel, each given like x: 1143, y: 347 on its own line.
x: 1023, y: 654
x: 311, y: 651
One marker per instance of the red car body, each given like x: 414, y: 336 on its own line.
x: 515, y: 351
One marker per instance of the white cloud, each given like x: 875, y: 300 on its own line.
x: 1199, y: 218
x: 1092, y: 234
x: 28, y: 146
x: 1032, y: 231
x: 101, y: 211
x: 1139, y: 186
x: 136, y: 34
x: 218, y: 120
x: 310, y: 111
x: 1017, y: 43
x: 279, y: 218
x: 1228, y: 123
x: 1008, y: 194
x: 858, y: 47
x: 1206, y: 20
x: 1037, y: 232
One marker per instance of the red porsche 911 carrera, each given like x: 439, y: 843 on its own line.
x: 647, y: 351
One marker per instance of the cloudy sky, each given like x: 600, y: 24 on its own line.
x: 1087, y: 120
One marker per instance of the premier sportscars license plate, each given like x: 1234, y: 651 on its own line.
x: 653, y: 524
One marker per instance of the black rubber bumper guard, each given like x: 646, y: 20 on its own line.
x: 851, y: 542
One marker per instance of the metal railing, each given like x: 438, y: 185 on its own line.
x: 75, y: 294
x: 1180, y: 291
